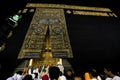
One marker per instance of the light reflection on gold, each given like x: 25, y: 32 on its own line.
x: 45, y: 59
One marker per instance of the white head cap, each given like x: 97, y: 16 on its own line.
x: 58, y: 63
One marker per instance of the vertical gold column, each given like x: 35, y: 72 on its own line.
x: 30, y: 62
x: 60, y: 60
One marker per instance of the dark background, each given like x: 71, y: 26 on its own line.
x: 94, y: 40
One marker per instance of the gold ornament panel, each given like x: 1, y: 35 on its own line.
x: 47, y: 33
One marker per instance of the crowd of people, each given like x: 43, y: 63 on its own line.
x: 57, y: 72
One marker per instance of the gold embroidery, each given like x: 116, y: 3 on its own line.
x: 24, y: 11
x: 90, y: 13
x: 68, y: 7
x: 47, y: 33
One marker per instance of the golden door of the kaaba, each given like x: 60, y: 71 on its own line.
x: 47, y: 38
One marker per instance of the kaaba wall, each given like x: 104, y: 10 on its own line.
x: 93, y: 32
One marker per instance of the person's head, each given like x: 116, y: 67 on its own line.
x: 54, y: 72
x: 77, y: 78
x: 19, y: 72
x: 36, y: 75
x: 94, y: 70
x: 45, y: 77
x: 93, y: 74
x: 61, y: 73
x: 87, y: 76
x: 69, y: 72
x: 28, y: 77
x: 109, y: 71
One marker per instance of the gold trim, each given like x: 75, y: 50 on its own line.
x: 114, y: 15
x: 24, y: 11
x: 90, y: 13
x: 68, y: 11
x: 30, y: 62
x: 30, y: 50
x: 68, y: 7
x: 2, y: 47
x: 10, y: 34
x: 19, y: 11
x: 31, y: 10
